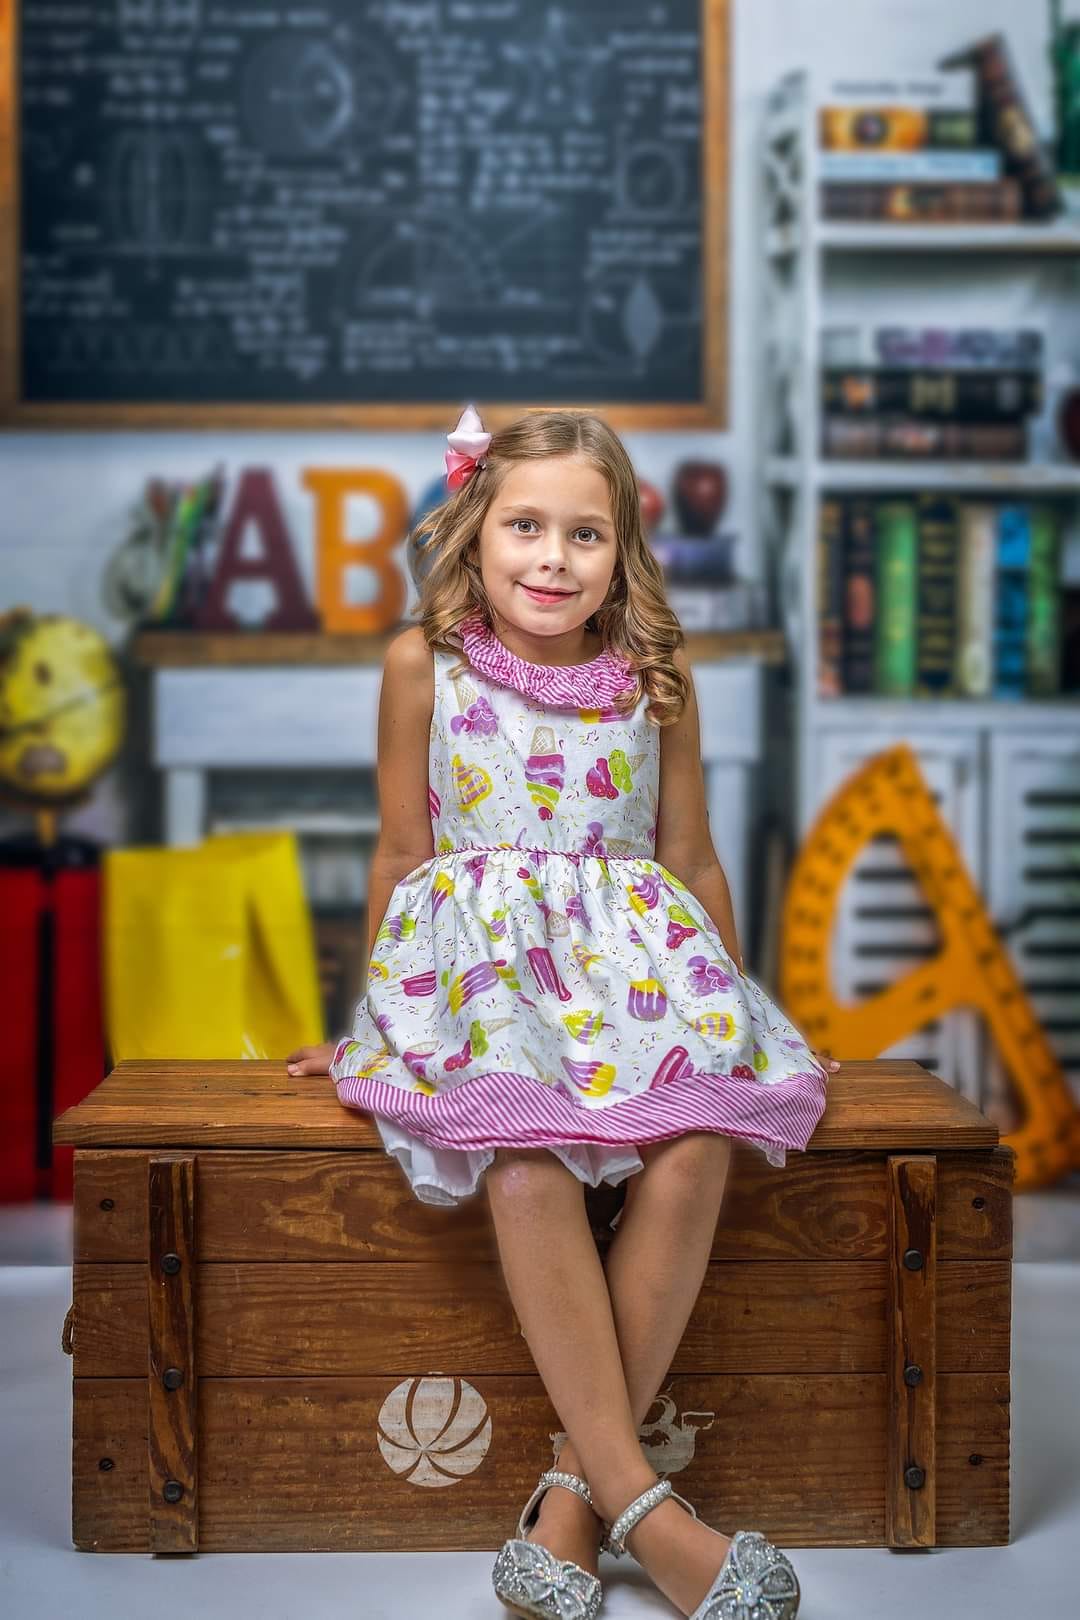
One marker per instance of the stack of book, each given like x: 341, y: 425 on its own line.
x: 951, y: 147
x: 937, y: 597
x: 903, y: 392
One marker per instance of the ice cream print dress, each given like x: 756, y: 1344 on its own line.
x: 542, y: 981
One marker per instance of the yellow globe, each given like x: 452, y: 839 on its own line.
x: 62, y: 706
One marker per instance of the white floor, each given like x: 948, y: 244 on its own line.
x: 41, y: 1574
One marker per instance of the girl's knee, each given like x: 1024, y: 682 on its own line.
x: 688, y: 1159
x: 527, y: 1171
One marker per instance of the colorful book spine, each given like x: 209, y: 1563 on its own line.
x: 975, y: 599
x: 907, y: 167
x: 897, y: 128
x: 936, y: 595
x: 896, y: 583
x: 1006, y: 122
x: 952, y: 87
x: 1044, y: 604
x: 1018, y: 348
x: 922, y: 202
x: 911, y: 438
x: 1011, y: 601
x: 830, y: 584
x: 859, y: 596
x: 970, y: 396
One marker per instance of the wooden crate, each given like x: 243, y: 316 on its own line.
x: 277, y: 1347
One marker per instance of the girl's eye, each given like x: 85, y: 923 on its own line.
x: 515, y: 521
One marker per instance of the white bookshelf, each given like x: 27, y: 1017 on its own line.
x: 1005, y: 774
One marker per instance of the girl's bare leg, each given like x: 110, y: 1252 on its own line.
x: 655, y: 1267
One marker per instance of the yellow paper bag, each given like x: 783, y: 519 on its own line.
x: 210, y: 951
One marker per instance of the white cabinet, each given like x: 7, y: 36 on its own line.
x: 884, y: 924
x: 1033, y: 880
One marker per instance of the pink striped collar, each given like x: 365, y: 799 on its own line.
x: 588, y: 685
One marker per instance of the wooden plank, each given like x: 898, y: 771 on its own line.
x: 275, y: 1320
x: 190, y: 649
x: 168, y: 1317
x: 911, y: 1372
x: 884, y: 1104
x: 359, y: 1207
x: 295, y: 1465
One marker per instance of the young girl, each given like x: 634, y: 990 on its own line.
x: 556, y: 994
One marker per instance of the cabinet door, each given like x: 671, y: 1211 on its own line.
x: 1033, y: 831
x: 884, y: 924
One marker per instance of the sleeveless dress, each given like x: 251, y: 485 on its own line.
x: 542, y: 981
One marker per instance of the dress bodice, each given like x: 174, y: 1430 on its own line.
x: 537, y: 755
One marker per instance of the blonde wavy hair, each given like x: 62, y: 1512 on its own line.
x: 634, y: 619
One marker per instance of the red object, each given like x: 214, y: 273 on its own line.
x: 50, y: 967
x: 701, y: 492
x: 257, y: 505
x: 652, y: 504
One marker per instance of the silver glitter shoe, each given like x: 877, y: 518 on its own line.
x: 531, y: 1581
x: 755, y: 1581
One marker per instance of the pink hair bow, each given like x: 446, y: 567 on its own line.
x: 468, y: 442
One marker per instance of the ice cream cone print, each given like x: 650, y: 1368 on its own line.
x: 481, y: 976
x: 399, y: 926
x: 644, y: 892
x: 592, y: 1079
x: 545, y: 772
x: 472, y: 784
x: 496, y: 928
x: 674, y: 1063
x: 542, y: 967
x: 478, y: 1038
x: 416, y: 1059
x: 366, y: 1063
x: 442, y: 886
x: 584, y: 1025
x: 646, y: 999
x: 584, y: 957
x: 556, y: 925
x: 719, y: 1026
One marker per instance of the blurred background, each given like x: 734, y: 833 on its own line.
x: 818, y: 263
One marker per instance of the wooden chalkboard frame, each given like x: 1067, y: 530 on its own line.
x: 710, y: 411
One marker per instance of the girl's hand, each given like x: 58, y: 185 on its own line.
x: 826, y: 1059
x: 312, y: 1059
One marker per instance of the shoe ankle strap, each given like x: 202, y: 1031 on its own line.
x: 615, y: 1540
x: 553, y: 1476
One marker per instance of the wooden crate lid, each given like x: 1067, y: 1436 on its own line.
x: 882, y: 1105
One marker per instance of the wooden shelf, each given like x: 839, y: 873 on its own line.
x: 1060, y: 239
x: 190, y: 649
x: 875, y: 713
x: 1048, y: 478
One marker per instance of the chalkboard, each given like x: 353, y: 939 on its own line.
x: 363, y: 210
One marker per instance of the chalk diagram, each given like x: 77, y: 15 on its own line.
x: 151, y: 190
x: 629, y: 316
x: 432, y: 267
x: 650, y: 180
x: 558, y: 77
x: 300, y: 98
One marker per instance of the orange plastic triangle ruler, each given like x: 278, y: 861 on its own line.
x: 972, y: 969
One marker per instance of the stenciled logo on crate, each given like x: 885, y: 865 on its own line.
x: 434, y: 1430
x: 671, y: 1448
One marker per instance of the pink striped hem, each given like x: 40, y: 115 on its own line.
x: 505, y: 1109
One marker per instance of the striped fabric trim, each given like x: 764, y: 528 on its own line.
x: 575, y: 686
x: 505, y: 1109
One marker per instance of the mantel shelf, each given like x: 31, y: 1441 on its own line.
x: 188, y: 649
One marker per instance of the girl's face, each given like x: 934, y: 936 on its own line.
x: 548, y: 548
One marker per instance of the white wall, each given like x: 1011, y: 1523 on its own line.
x: 65, y: 497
